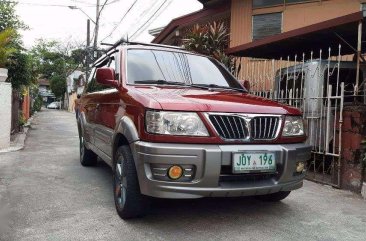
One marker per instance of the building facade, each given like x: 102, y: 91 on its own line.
x: 255, y: 19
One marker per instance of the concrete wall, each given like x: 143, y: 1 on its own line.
x: 294, y: 15
x: 5, y: 114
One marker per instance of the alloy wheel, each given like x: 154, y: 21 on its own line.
x: 120, y: 183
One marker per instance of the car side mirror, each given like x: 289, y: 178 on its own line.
x: 246, y: 84
x: 105, y: 76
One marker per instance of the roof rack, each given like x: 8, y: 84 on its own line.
x: 126, y: 42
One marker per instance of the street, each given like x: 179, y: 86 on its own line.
x: 45, y: 194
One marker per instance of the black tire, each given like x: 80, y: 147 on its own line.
x: 87, y: 157
x: 274, y: 197
x: 129, y: 201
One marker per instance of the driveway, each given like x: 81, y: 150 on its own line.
x: 45, y: 194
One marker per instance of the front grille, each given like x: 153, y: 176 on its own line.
x: 236, y: 127
x: 230, y: 127
x: 264, y: 128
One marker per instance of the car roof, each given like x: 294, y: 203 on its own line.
x: 143, y: 46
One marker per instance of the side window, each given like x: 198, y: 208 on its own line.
x: 93, y: 85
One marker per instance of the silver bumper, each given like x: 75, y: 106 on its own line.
x: 209, y: 161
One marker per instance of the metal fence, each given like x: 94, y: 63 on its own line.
x: 319, y: 87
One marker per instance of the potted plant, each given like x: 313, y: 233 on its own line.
x: 5, y: 51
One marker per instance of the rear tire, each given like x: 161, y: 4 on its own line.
x: 129, y: 201
x: 274, y: 197
x: 87, y: 157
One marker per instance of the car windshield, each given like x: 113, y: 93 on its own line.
x: 176, y: 68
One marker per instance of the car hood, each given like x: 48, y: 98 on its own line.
x: 192, y: 99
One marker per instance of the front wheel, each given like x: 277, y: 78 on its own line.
x: 129, y: 201
x: 274, y: 197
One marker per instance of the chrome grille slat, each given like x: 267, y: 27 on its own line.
x: 237, y: 127
x: 260, y: 129
x: 270, y: 128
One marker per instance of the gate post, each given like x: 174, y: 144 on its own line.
x: 5, y: 112
x: 353, y: 133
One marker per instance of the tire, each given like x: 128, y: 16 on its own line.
x: 274, y: 197
x: 87, y: 157
x: 129, y: 201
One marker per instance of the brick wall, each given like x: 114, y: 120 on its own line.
x: 353, y: 134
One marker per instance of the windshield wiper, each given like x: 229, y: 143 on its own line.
x: 201, y: 86
x: 214, y: 86
x: 159, y: 82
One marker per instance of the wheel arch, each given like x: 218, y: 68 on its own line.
x: 125, y: 133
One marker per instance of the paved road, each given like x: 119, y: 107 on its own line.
x: 46, y: 195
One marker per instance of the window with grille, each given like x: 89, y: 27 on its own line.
x: 265, y: 25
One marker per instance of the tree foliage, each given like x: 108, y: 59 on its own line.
x: 58, y: 85
x: 6, y: 48
x: 55, y: 62
x: 20, y: 70
x: 212, y: 39
x: 9, y: 18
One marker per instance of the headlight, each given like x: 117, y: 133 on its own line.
x: 294, y: 126
x: 175, y: 123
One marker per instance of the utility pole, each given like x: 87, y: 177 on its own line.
x: 87, y: 49
x: 96, y: 26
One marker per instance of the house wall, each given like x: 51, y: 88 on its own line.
x: 294, y: 15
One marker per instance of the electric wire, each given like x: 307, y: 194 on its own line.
x: 119, y: 23
x: 153, y: 15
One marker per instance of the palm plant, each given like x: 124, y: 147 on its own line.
x: 212, y: 40
x: 6, y: 50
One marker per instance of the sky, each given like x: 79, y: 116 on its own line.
x: 54, y: 20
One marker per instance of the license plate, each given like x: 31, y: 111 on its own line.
x: 254, y: 162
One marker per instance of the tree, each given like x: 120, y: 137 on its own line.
x: 58, y: 86
x: 55, y: 62
x: 9, y: 18
x: 20, y: 70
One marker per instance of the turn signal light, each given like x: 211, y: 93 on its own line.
x: 300, y: 167
x: 175, y: 172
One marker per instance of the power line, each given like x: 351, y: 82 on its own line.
x: 120, y: 21
x: 85, y: 4
x: 143, y: 25
x: 39, y: 4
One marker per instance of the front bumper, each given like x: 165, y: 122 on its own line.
x: 209, y: 162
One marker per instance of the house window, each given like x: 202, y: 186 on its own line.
x: 271, y: 3
x: 265, y: 25
x: 364, y: 9
x: 296, y: 1
x: 266, y: 3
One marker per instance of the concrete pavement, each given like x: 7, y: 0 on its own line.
x: 45, y: 194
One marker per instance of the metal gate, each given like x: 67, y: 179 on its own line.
x: 319, y: 88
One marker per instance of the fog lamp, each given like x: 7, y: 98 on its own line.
x: 300, y: 166
x: 175, y: 172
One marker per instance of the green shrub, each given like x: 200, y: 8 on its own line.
x: 37, y: 105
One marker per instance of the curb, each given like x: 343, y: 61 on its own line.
x: 18, y: 143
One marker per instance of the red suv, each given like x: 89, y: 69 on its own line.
x: 175, y: 124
